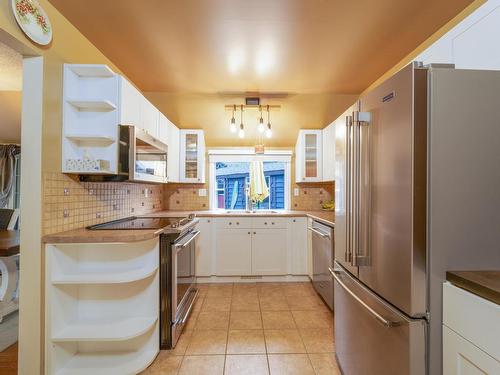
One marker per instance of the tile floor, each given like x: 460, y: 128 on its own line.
x: 253, y: 329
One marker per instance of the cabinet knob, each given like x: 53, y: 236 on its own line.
x: 208, y: 221
x: 294, y: 220
x: 303, y: 178
x: 230, y: 223
x: 265, y: 223
x: 254, y: 232
x: 237, y: 223
x: 272, y: 223
x: 248, y: 232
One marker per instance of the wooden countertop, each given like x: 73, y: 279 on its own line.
x: 485, y: 284
x: 9, y: 242
x: 327, y: 217
x: 97, y: 236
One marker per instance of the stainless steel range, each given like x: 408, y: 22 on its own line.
x: 178, y: 290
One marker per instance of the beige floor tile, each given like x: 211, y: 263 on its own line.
x: 324, y: 364
x: 305, y: 303
x: 220, y: 290
x: 246, y: 365
x: 246, y: 342
x: 202, y: 365
x: 313, y: 319
x: 207, y: 342
x: 245, y: 304
x: 212, y: 320
x: 198, y: 304
x: 318, y: 340
x: 245, y: 320
x: 273, y: 303
x: 191, y: 322
x: 290, y: 364
x: 245, y: 293
x: 164, y: 364
x: 278, y: 320
x: 298, y: 290
x: 182, y: 343
x: 284, y: 341
x: 216, y: 304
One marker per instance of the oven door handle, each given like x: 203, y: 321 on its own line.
x: 183, y: 244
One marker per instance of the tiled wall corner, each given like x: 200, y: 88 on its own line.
x: 312, y: 195
x: 184, y: 197
x: 71, y: 204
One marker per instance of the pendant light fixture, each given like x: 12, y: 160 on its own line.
x: 232, y: 126
x: 261, y: 127
x: 241, y: 133
x: 269, y: 132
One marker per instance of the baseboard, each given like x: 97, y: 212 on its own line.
x: 252, y: 279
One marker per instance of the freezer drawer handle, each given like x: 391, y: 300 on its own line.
x: 324, y: 235
x: 379, y: 317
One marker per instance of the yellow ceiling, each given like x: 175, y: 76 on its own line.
x: 294, y: 46
x: 206, y: 111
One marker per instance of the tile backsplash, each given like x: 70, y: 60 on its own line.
x: 70, y: 204
x: 184, y: 197
x: 312, y: 195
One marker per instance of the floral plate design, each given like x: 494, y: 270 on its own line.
x: 33, y: 20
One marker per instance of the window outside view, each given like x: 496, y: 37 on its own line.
x: 233, y: 181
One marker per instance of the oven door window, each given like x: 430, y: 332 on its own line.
x: 185, y: 271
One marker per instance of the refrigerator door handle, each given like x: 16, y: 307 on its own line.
x: 376, y: 315
x: 361, y: 215
x: 348, y: 213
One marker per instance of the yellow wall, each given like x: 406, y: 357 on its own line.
x: 68, y: 46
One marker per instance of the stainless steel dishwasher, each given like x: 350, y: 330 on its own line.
x: 322, y: 259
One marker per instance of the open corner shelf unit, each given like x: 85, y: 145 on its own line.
x: 102, y: 307
x: 91, y: 115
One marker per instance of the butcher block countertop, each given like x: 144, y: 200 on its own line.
x: 485, y: 284
x: 327, y: 217
x: 99, y: 236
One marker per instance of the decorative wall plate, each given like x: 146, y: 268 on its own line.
x: 33, y: 20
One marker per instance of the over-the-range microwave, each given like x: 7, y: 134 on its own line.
x: 141, y: 158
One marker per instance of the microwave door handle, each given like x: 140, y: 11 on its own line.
x: 376, y: 315
x: 182, y: 245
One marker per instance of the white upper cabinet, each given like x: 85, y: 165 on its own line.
x: 329, y: 152
x: 169, y: 134
x: 130, y: 104
x: 309, y: 156
x: 192, y: 156
x: 149, y: 117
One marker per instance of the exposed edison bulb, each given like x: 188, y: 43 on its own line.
x: 261, y: 127
x: 269, y: 132
x: 232, y: 126
x: 241, y: 133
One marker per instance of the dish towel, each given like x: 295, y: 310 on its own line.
x: 258, y: 187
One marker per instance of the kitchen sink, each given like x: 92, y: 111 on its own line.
x: 260, y: 212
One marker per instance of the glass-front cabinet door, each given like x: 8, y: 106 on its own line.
x: 309, y: 156
x: 192, y: 156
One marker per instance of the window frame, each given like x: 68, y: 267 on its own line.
x: 247, y: 155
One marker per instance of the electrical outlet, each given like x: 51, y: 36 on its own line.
x: 202, y: 192
x: 296, y: 192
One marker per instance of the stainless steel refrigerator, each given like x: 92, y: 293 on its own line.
x: 417, y: 193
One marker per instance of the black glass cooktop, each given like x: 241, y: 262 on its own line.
x: 142, y: 223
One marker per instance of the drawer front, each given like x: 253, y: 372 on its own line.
x: 269, y: 222
x: 236, y: 222
x: 472, y: 317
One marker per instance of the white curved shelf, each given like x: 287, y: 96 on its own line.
x: 106, y: 277
x: 92, y: 105
x: 91, y: 139
x: 92, y: 70
x: 108, y: 363
x: 106, y: 330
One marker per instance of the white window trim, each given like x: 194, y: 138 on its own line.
x: 246, y: 154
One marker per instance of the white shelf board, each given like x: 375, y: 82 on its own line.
x: 92, y: 70
x: 106, y: 277
x: 88, y: 172
x: 108, y: 363
x: 92, y: 105
x: 105, y: 330
x: 91, y: 139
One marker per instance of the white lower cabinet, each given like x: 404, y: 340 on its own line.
x: 298, y: 246
x: 461, y: 357
x: 269, y: 252
x: 234, y: 252
x: 204, y: 248
x: 471, y: 331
